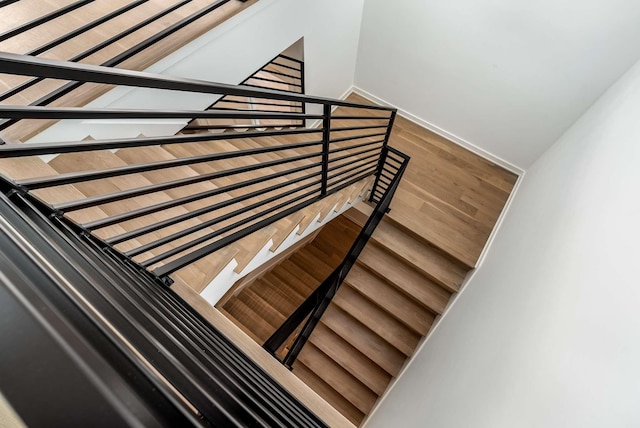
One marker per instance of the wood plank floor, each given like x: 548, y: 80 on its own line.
x: 449, y: 196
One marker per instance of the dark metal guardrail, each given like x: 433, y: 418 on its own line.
x: 97, y: 342
x: 264, y: 183
x: 119, y: 58
x: 393, y: 164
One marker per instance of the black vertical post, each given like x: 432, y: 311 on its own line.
x: 303, y: 105
x: 326, y: 137
x: 383, y: 154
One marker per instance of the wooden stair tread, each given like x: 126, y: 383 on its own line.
x: 338, y: 378
x: 290, y: 288
x: 421, y: 256
x: 215, y: 263
x: 278, y: 297
x: 249, y: 320
x: 362, y: 338
x: 332, y: 397
x: 403, y: 308
x: 405, y: 278
x: 262, y: 308
x: 376, y: 319
x: 349, y: 358
x: 305, y: 283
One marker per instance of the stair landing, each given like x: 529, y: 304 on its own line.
x: 448, y: 196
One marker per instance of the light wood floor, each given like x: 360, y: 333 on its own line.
x: 449, y: 196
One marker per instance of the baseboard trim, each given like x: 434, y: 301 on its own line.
x: 443, y: 133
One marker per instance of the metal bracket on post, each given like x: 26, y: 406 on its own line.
x: 326, y: 138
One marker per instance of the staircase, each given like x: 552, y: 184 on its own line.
x: 387, y: 303
x: 131, y: 34
x: 233, y: 172
x: 415, y: 261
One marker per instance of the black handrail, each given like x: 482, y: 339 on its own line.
x: 325, y: 161
x: 318, y: 301
x: 63, y: 70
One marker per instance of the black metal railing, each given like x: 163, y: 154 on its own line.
x: 393, y: 164
x: 234, y: 184
x: 95, y: 341
x: 283, y: 73
x: 172, y: 19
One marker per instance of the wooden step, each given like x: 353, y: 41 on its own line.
x: 310, y: 263
x: 362, y: 338
x: 420, y: 255
x: 294, y: 292
x: 405, y: 278
x: 278, y: 297
x: 349, y: 358
x: 262, y: 308
x: 403, y: 308
x: 338, y: 378
x: 377, y: 319
x: 286, y: 227
x: 325, y: 391
x: 305, y: 282
x: 251, y: 245
x: 247, y: 319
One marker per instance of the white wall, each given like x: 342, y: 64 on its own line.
x: 507, y: 76
x: 231, y: 52
x: 547, y: 333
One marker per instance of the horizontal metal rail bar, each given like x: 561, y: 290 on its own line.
x: 356, y: 117
x: 41, y: 67
x: 357, y: 137
x: 357, y: 128
x: 139, y: 191
x: 7, y: 2
x: 225, y: 100
x: 281, y: 74
x: 186, y: 216
x: 95, y: 49
x: 215, y: 246
x: 250, y: 85
x: 188, y: 231
x: 72, y: 34
x: 197, y: 241
x: 207, y: 127
x: 391, y: 172
x: 76, y: 177
x: 289, y: 58
x: 43, y: 19
x: 284, y: 65
x: 52, y: 96
x: 361, y: 152
x: 386, y: 177
x: 39, y: 112
x: 166, y: 32
x: 280, y: 82
x: 251, y: 110
x: 355, y: 146
x: 348, y: 170
x: 37, y: 149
